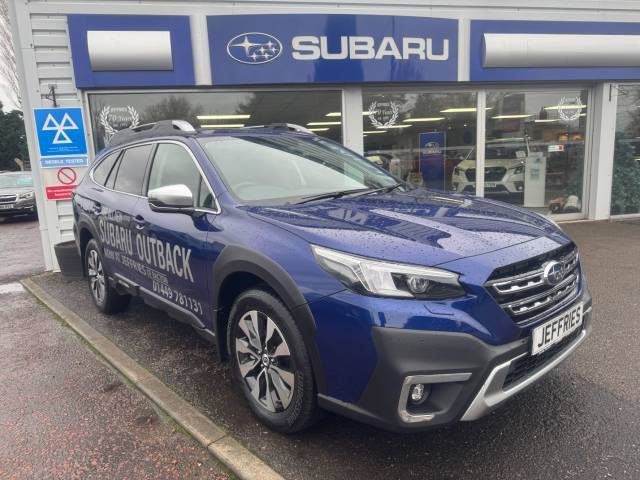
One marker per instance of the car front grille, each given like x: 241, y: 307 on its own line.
x: 491, y: 174
x: 523, y: 292
x: 525, y: 366
x: 8, y: 198
x: 494, y: 174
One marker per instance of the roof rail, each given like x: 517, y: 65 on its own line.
x: 292, y: 127
x: 162, y: 127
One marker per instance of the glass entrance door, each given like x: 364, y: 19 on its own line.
x: 535, y: 149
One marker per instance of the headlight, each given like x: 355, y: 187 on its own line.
x: 386, y: 279
x: 26, y: 195
x: 518, y: 169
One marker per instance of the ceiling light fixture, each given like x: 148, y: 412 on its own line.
x: 313, y: 124
x: 505, y: 139
x: 503, y: 117
x: 224, y: 117
x: 566, y: 107
x: 339, y: 114
x: 462, y: 109
x: 424, y: 119
x: 318, y: 129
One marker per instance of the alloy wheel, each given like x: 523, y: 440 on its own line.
x: 96, y: 276
x: 264, y: 360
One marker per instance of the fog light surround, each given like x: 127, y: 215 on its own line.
x: 410, y: 386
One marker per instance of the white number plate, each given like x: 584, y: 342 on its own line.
x: 556, y: 329
x: 6, y: 206
x: 490, y: 184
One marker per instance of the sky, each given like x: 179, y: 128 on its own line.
x: 7, y: 103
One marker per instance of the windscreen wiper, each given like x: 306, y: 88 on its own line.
x: 322, y: 196
x: 388, y: 189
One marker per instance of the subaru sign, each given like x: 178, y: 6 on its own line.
x: 296, y: 48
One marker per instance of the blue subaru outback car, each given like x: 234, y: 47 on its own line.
x: 326, y: 282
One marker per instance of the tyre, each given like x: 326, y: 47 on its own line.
x: 106, y: 298
x: 270, y: 362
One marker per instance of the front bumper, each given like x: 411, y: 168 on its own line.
x: 500, y: 187
x: 27, y: 207
x: 466, y: 376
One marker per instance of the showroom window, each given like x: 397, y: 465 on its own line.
x: 535, y: 149
x: 422, y: 137
x: 625, y: 190
x: 320, y: 111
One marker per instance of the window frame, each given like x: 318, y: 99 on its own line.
x: 154, y: 143
x: 216, y: 210
x: 119, y: 164
x: 102, y: 160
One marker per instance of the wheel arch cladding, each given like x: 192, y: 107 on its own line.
x: 250, y: 269
x: 86, y: 232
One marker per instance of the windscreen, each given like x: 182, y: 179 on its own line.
x: 273, y: 169
x: 16, y: 181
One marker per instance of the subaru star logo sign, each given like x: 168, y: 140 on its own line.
x: 431, y: 148
x: 553, y: 272
x: 254, y: 48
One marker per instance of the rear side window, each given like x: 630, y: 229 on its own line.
x: 173, y: 165
x: 133, y: 166
x: 102, y: 171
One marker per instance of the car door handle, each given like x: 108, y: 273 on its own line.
x: 139, y: 221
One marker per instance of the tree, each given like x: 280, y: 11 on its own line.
x: 625, y: 193
x: 8, y: 68
x: 170, y: 108
x: 13, y: 140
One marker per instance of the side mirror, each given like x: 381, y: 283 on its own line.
x: 171, y: 199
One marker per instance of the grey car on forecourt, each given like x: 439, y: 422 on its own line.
x: 17, y: 195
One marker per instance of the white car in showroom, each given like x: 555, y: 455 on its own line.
x: 503, y: 171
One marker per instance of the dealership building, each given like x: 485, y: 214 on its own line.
x: 536, y: 104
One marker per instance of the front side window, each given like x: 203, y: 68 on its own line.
x: 276, y: 169
x: 173, y: 165
x: 133, y: 164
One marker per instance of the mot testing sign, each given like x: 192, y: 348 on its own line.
x: 63, y: 149
x: 61, y: 137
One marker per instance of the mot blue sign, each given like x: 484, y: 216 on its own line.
x: 60, y: 131
x: 296, y: 48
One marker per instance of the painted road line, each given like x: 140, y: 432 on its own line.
x: 13, y: 287
x: 227, y: 450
